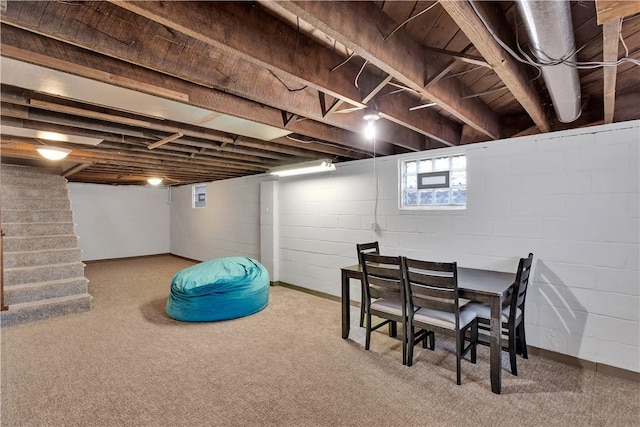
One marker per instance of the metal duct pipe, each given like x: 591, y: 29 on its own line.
x: 550, y: 31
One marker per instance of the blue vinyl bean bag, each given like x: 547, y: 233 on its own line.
x: 219, y: 289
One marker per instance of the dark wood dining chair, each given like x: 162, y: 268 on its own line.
x: 384, y: 295
x: 369, y: 248
x: 433, y: 306
x: 512, y: 315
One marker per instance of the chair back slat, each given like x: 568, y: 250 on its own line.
x: 416, y: 264
x: 431, y: 279
x: 432, y: 285
x: 370, y: 248
x: 382, y: 276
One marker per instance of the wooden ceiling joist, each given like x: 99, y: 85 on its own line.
x: 510, y: 71
x: 610, y: 40
x: 399, y: 56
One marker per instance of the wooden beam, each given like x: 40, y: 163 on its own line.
x: 29, y: 47
x: 400, y: 56
x: 608, y: 10
x: 165, y: 140
x: 75, y: 169
x: 431, y: 80
x: 511, y: 72
x: 462, y: 57
x: 373, y: 92
x: 610, y: 41
x: 268, y: 45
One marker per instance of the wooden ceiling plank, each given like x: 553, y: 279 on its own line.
x: 65, y: 58
x: 614, y: 10
x: 508, y: 69
x: 269, y: 45
x: 75, y: 169
x: 610, y: 40
x: 400, y: 55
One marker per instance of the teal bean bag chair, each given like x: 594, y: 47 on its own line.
x: 219, y: 289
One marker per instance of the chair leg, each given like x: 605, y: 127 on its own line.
x: 459, y: 345
x: 410, y: 338
x: 404, y: 343
x: 393, y: 329
x: 362, y: 304
x: 512, y: 350
x: 368, y: 333
x: 432, y: 344
x: 474, y: 341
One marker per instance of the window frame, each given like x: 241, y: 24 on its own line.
x: 195, y: 200
x: 424, y: 156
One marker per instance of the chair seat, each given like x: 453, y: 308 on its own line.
x: 483, y: 311
x: 386, y: 306
x: 444, y: 319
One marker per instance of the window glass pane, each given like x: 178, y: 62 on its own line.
x: 425, y: 166
x: 411, y: 168
x: 459, y: 162
x: 459, y: 196
x: 458, y: 178
x: 441, y: 164
x: 426, y: 197
x: 442, y: 197
x: 418, y: 170
x: 410, y: 198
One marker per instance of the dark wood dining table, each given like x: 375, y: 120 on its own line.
x: 492, y: 287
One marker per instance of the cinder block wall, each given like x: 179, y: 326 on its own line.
x: 571, y: 198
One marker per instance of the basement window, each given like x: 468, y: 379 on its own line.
x: 434, y: 183
x: 199, y: 196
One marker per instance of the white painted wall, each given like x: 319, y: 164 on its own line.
x: 120, y: 221
x: 570, y: 197
x: 228, y: 226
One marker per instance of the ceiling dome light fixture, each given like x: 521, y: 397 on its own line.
x: 53, y: 153
x: 154, y: 181
x: 370, y: 116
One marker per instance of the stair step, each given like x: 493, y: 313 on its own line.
x: 42, y: 273
x: 31, y: 311
x: 41, y: 257
x: 35, y: 192
x: 35, y: 204
x: 37, y: 228
x: 42, y: 181
x: 15, y: 215
x: 32, y: 292
x: 34, y: 243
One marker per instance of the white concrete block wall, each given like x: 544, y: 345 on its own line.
x: 120, y: 221
x: 228, y: 226
x: 570, y: 197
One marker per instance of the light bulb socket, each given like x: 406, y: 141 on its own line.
x: 371, y: 115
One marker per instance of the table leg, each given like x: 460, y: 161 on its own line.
x: 496, y: 346
x: 346, y: 305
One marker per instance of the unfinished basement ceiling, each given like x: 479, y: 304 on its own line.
x: 202, y: 91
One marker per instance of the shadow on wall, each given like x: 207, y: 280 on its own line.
x: 560, y: 318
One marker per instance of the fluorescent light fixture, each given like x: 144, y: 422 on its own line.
x: 53, y: 153
x: 154, y: 181
x: 313, y: 166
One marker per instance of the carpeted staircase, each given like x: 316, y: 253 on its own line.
x: 43, y: 271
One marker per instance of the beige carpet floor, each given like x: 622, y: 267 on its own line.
x: 125, y: 363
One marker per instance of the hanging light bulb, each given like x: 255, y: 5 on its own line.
x: 371, y: 116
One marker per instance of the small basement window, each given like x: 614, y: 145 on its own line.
x: 199, y: 196
x: 433, y: 183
